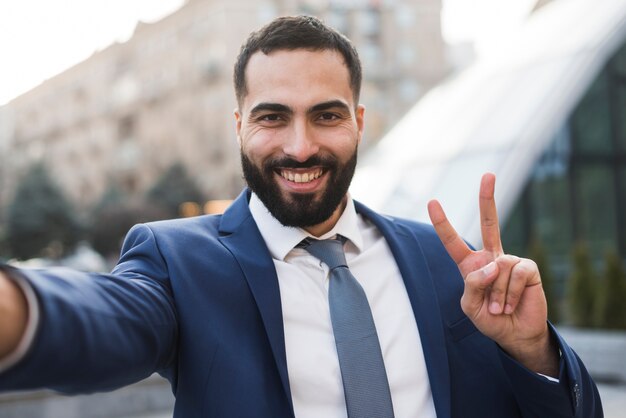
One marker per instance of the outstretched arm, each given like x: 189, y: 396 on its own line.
x: 503, y: 296
x: 95, y: 332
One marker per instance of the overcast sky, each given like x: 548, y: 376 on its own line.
x: 41, y: 38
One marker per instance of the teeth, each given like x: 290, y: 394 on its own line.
x: 301, y: 177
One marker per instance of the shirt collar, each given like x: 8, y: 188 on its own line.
x: 281, y: 239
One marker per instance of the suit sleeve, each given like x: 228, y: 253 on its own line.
x: 98, y: 332
x: 574, y: 395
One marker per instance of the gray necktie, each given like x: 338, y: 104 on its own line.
x: 363, y: 373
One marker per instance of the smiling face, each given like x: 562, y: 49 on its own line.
x: 299, y: 129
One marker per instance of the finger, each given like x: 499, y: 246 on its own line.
x: 500, y: 287
x: 489, y: 216
x: 452, y: 241
x: 525, y: 273
x: 477, y: 284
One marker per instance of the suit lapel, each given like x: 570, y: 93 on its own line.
x: 239, y: 233
x: 408, y: 254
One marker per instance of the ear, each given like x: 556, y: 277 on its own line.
x: 360, y: 120
x: 237, y: 114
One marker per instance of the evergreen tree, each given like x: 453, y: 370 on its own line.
x: 113, y: 216
x: 538, y: 254
x: 611, y: 304
x: 582, y: 287
x: 40, y: 218
x: 174, y: 188
x: 113, y: 196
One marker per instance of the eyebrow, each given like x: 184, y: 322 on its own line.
x: 270, y: 107
x: 331, y: 104
x: 277, y: 107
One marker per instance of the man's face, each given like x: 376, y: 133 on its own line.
x: 299, y: 130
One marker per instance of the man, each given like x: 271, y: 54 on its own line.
x: 234, y: 309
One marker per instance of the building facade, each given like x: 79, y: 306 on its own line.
x: 130, y: 111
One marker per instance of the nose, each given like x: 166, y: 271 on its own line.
x: 300, y: 143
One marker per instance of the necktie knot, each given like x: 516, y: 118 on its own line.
x: 329, y: 251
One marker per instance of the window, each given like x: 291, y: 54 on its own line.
x: 591, y: 121
x: 578, y: 188
x: 596, y: 207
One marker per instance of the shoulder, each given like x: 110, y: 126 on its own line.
x: 185, y: 224
x: 420, y: 228
x: 429, y: 242
x: 175, y: 239
x: 179, y: 230
x: 396, y: 225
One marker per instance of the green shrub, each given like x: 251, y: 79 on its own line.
x: 582, y: 288
x: 40, y: 220
x: 114, y: 215
x: 174, y: 187
x: 611, y: 302
x: 537, y: 253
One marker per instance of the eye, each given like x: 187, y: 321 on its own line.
x: 327, y: 116
x: 272, y: 117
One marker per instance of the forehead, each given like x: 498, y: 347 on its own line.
x: 297, y: 76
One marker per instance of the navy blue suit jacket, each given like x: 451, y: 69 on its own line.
x: 198, y: 301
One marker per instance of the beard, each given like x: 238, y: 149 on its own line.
x: 299, y: 209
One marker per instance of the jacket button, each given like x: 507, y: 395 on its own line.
x: 576, y: 393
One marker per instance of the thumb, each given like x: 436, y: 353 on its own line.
x: 476, y: 285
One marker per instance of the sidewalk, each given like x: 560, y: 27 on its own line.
x: 613, y: 400
x: 165, y: 414
x: 604, y: 355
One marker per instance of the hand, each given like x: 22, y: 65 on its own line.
x: 13, y: 315
x: 503, y: 296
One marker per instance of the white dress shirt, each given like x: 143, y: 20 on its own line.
x: 313, y: 367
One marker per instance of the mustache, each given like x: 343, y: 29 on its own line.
x: 313, y: 161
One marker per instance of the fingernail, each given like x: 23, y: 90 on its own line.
x: 494, y: 308
x: 508, y: 309
x: 489, y: 269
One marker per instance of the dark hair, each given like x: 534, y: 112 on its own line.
x: 295, y: 32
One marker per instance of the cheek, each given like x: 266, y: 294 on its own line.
x: 343, y: 141
x: 258, y: 144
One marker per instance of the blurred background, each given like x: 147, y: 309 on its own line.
x: 116, y: 112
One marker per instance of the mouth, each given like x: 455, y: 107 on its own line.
x: 300, y: 176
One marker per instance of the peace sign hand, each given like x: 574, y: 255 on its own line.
x: 503, y: 296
